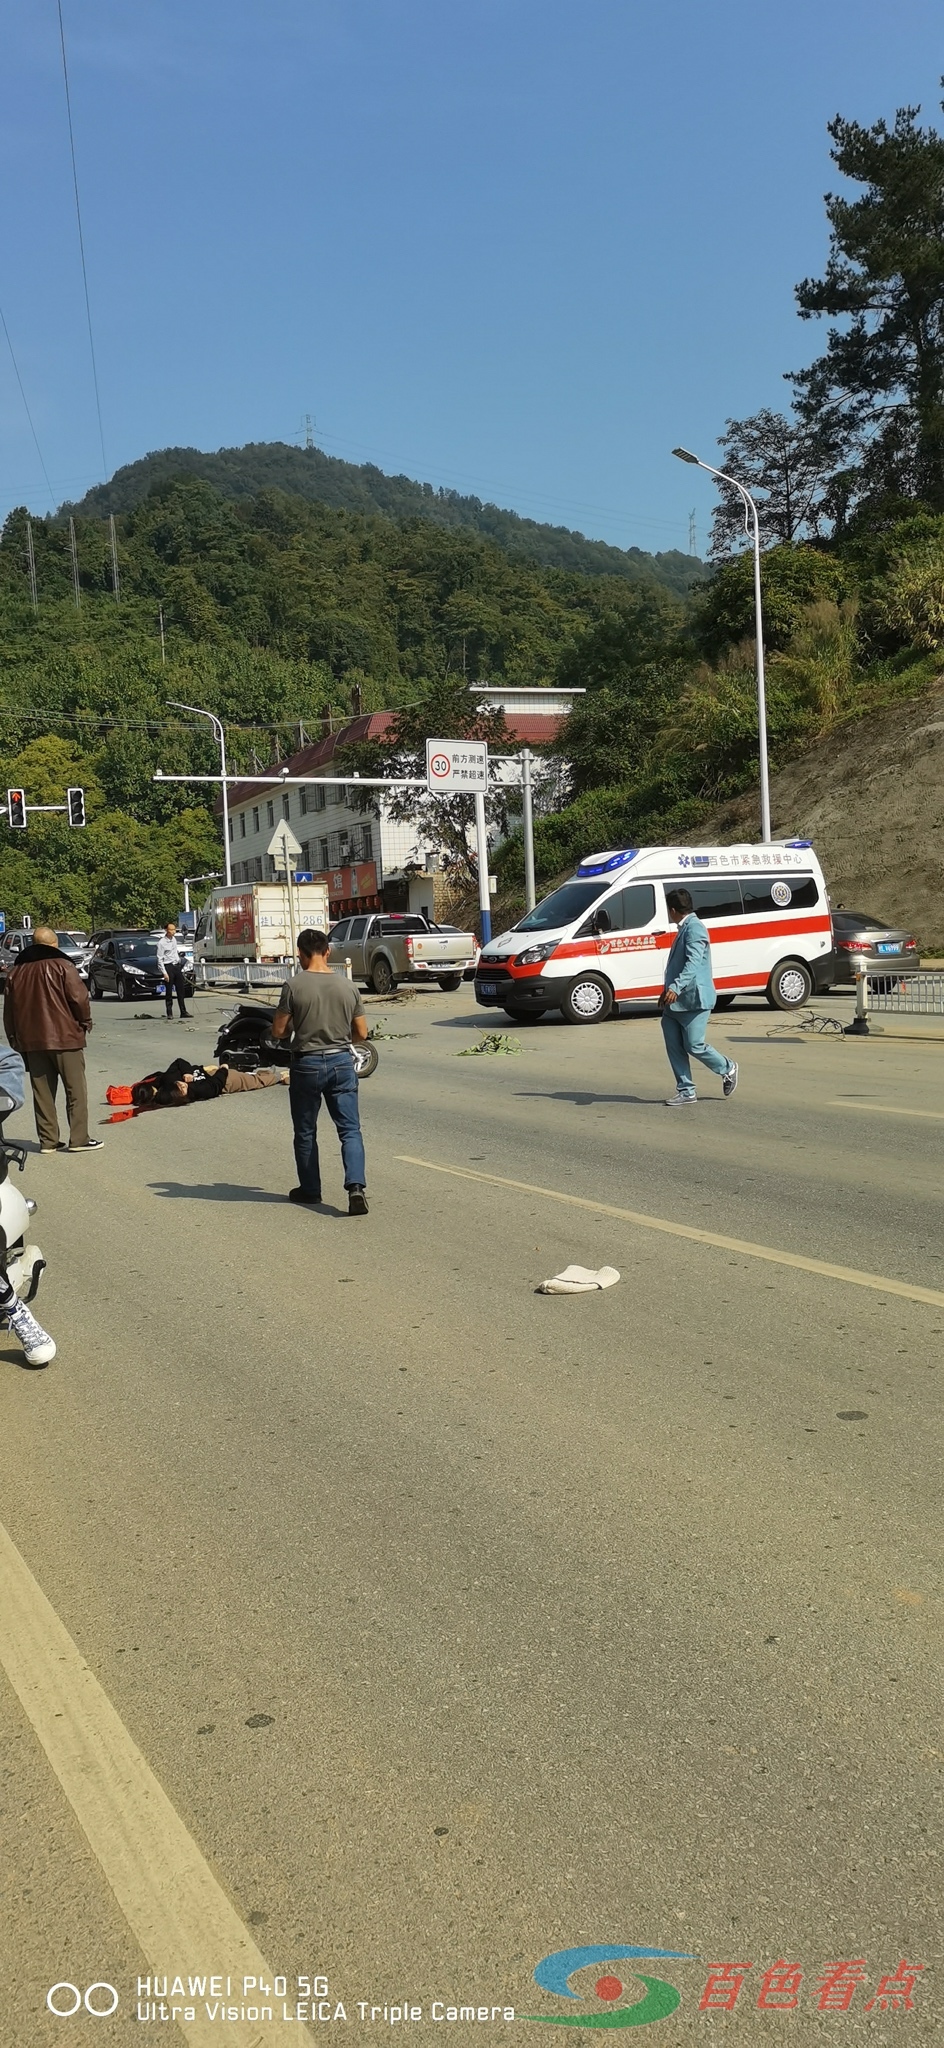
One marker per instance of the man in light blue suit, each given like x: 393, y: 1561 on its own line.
x: 687, y: 1001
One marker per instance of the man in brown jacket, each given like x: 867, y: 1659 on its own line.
x: 46, y: 1017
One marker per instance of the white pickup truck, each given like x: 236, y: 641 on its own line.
x: 384, y: 949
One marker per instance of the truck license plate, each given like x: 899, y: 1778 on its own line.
x: 488, y: 988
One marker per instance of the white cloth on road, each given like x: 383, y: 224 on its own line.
x: 579, y: 1280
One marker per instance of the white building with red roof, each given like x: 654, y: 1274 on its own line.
x: 357, y: 856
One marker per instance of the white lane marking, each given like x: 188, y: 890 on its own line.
x: 176, y: 1908
x: 849, y: 1274
x: 887, y: 1109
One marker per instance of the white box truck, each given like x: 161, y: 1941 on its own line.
x: 255, y: 921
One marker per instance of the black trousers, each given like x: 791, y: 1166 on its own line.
x: 174, y: 979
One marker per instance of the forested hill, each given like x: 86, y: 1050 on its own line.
x: 360, y: 487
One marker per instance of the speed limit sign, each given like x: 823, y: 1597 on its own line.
x: 456, y: 765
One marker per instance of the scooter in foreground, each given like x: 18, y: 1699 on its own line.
x: 21, y: 1265
x: 246, y: 1041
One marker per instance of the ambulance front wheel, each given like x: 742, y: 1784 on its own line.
x: 790, y: 985
x: 589, y: 1000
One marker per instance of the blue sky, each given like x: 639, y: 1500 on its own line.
x: 518, y: 247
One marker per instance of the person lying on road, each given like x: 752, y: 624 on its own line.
x: 183, y: 1082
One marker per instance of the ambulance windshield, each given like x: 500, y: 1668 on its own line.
x: 565, y: 905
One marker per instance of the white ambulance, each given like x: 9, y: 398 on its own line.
x: 603, y: 937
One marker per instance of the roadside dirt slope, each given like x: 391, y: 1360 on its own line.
x: 871, y: 798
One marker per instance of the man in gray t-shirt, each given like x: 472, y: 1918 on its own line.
x: 321, y: 1013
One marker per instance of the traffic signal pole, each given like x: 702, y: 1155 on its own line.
x: 19, y: 811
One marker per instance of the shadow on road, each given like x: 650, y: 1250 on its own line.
x: 17, y: 1359
x: 583, y: 1096
x: 229, y: 1191
x: 211, y: 1191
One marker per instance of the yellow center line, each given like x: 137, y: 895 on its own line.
x: 849, y: 1274
x: 176, y: 1908
x: 887, y: 1109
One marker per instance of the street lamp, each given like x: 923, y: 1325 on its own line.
x: 213, y: 876
x: 221, y: 738
x: 684, y: 456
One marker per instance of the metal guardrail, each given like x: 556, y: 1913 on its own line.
x: 247, y: 974
x: 889, y: 993
x: 242, y: 973
x: 906, y: 995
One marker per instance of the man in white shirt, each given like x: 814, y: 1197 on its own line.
x: 170, y: 961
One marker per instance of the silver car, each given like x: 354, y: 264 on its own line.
x: 865, y: 941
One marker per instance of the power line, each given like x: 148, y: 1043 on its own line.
x: 78, y: 216
x: 536, y: 497
x: 16, y: 372
x: 158, y: 725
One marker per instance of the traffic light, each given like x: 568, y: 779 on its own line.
x: 16, y: 808
x: 75, y: 805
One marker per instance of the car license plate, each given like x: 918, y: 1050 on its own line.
x: 488, y: 988
x: 890, y: 947
x: 160, y: 989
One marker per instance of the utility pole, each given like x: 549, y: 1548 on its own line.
x: 750, y: 520
x: 73, y: 550
x: 31, y: 564
x: 481, y: 845
x: 528, y: 829
x: 115, y: 581
x: 160, y: 621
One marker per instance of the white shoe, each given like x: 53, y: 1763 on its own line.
x: 37, y: 1343
x: 678, y: 1100
x: 729, y: 1080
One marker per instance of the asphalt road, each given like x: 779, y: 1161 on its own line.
x: 461, y: 1624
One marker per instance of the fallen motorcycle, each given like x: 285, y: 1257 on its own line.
x: 245, y: 1041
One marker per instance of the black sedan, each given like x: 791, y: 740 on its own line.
x: 127, y: 967
x: 865, y: 941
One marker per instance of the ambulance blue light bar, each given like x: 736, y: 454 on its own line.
x: 798, y: 842
x: 604, y: 863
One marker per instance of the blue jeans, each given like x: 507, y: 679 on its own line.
x: 331, y: 1076
x: 684, y: 1034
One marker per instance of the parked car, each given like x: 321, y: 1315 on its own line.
x: 387, y: 948
x: 469, y: 972
x: 860, y: 938
x: 77, y: 949
x: 126, y: 966
x: 13, y: 944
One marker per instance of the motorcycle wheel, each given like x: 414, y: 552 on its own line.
x: 366, y: 1058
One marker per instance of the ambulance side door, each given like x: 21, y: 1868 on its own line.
x: 630, y: 950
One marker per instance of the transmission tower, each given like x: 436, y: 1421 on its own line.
x: 692, y: 549
x: 74, y: 552
x: 115, y: 579
x: 31, y: 565
x: 308, y: 431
